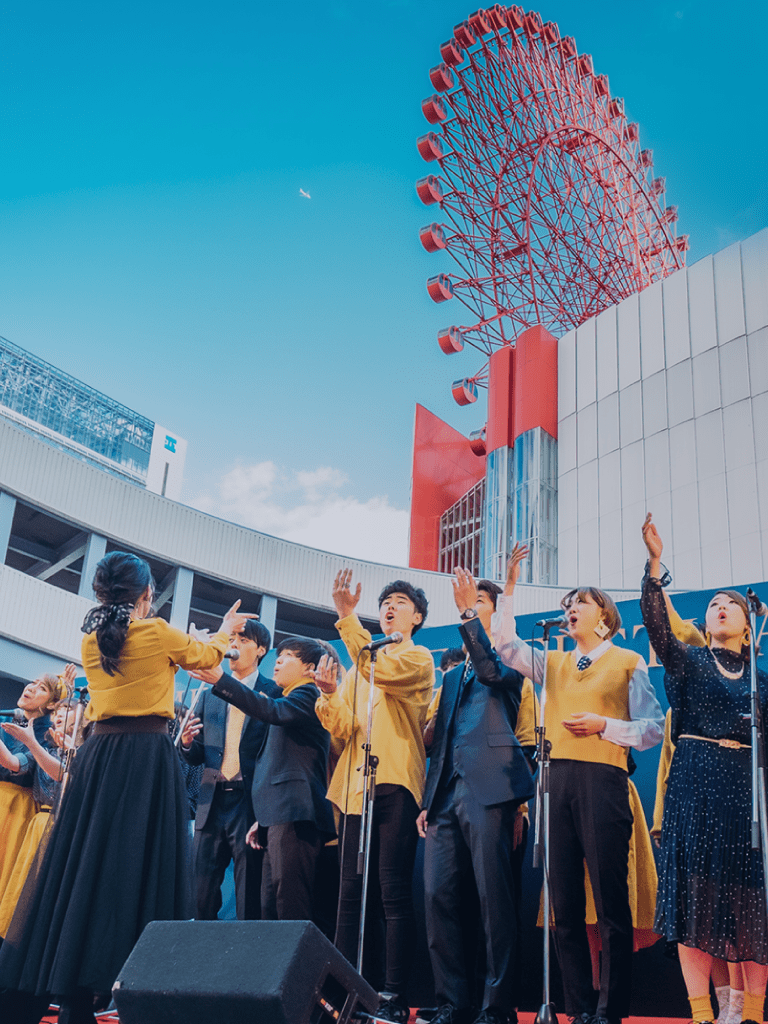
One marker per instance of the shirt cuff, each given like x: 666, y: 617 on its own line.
x: 23, y: 763
x: 612, y: 731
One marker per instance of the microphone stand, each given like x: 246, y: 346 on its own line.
x: 759, y: 811
x: 546, y: 1014
x: 369, y: 766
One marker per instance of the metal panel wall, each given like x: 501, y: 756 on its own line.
x: 688, y: 438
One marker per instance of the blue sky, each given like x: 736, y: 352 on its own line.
x: 155, y: 244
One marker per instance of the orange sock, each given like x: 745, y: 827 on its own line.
x: 701, y: 1008
x: 753, y: 1006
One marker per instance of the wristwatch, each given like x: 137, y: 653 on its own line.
x: 468, y: 613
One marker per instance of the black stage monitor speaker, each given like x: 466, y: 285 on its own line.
x: 238, y: 972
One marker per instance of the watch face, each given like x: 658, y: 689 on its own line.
x: 470, y: 613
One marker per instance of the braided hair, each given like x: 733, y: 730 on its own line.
x: 119, y: 582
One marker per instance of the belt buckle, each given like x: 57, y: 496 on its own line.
x: 731, y: 744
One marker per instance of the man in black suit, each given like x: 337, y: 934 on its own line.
x: 478, y: 776
x: 227, y: 745
x: 289, y: 781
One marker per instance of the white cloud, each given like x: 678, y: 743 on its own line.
x: 310, y: 507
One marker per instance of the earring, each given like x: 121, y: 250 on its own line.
x: 602, y: 629
x: 745, y: 637
x: 708, y: 638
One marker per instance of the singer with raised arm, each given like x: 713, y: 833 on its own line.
x: 597, y: 701
x: 226, y: 741
x: 478, y: 778
x: 711, y: 883
x: 17, y: 763
x: 403, y: 681
x: 117, y: 855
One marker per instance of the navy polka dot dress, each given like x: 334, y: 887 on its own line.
x: 711, y: 886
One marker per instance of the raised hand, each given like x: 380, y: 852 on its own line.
x: 464, y: 589
x: 234, y: 620
x: 519, y: 554
x: 68, y: 677
x: 326, y: 674
x: 651, y: 537
x: 344, y: 598
x: 24, y: 733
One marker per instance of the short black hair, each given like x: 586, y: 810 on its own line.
x: 258, y: 632
x: 491, y: 589
x: 414, y: 594
x: 453, y: 656
x: 309, y: 652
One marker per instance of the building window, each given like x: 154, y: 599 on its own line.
x: 461, y: 532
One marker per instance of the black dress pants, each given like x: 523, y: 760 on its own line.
x: 288, y: 876
x: 591, y: 820
x: 221, y: 840
x: 393, y: 851
x: 465, y: 838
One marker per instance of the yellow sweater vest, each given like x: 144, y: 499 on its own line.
x: 602, y: 688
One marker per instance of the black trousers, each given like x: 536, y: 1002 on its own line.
x: 221, y: 840
x: 393, y: 851
x: 288, y: 875
x: 466, y: 838
x: 591, y: 820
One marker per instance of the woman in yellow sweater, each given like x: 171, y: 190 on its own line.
x: 117, y: 855
x: 597, y: 701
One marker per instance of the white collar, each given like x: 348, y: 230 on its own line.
x: 592, y: 655
x: 249, y: 681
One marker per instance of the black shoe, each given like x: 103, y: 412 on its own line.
x: 449, y: 1014
x: 392, y: 1011
x: 582, y: 1018
x: 489, y: 1016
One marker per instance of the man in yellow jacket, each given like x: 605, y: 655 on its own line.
x: 403, y: 680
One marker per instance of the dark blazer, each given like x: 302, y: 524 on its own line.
x: 488, y: 755
x: 290, y: 775
x: 208, y: 746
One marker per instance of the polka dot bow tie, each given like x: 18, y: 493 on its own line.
x: 583, y: 663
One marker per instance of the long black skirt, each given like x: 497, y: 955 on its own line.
x: 116, y: 859
x: 711, y: 887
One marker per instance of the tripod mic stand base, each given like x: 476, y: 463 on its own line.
x: 546, y: 1014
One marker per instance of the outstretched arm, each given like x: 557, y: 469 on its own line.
x: 513, y: 651
x: 50, y: 764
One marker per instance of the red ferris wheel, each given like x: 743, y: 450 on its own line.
x: 552, y: 210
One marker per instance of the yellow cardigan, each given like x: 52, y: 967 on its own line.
x: 143, y: 683
x: 403, y: 682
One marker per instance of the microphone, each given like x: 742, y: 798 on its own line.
x: 755, y: 604
x: 233, y: 654
x: 550, y: 623
x: 14, y: 715
x: 393, y: 638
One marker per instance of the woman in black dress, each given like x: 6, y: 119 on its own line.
x: 711, y: 898
x: 117, y: 855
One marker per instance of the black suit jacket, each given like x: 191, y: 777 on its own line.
x: 208, y: 746
x: 488, y: 755
x: 290, y: 775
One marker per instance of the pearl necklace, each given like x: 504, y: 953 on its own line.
x: 724, y: 671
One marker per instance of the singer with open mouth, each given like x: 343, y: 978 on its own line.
x: 711, y: 897
x: 403, y: 680
x: 117, y: 855
x: 17, y: 767
x: 597, y: 701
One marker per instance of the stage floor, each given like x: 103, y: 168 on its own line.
x: 525, y: 1018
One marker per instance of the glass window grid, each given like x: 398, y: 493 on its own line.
x: 40, y: 392
x: 461, y: 532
